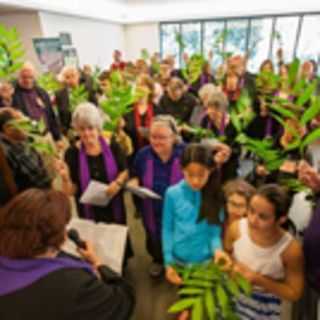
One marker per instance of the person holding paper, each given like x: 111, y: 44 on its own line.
x: 156, y: 167
x: 39, y: 281
x: 94, y: 158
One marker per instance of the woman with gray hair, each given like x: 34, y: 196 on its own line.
x: 218, y: 121
x: 156, y: 167
x: 94, y: 158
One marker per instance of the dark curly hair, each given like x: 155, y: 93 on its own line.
x: 32, y: 222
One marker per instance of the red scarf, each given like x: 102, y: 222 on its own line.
x: 146, y: 124
x: 234, y: 94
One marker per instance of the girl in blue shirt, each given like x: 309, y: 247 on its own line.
x: 191, y: 226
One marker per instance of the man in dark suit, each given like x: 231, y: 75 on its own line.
x: 34, y: 101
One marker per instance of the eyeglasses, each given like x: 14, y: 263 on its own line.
x: 236, y: 204
x: 160, y: 137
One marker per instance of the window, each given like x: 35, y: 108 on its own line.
x: 212, y: 32
x: 169, y: 45
x: 254, y: 36
x: 309, y: 44
x: 259, y: 42
x: 236, y: 36
x: 191, y: 36
x: 285, y: 37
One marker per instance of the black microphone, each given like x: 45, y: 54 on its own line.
x: 74, y: 236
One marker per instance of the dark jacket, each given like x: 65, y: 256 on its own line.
x: 51, y: 120
x: 8, y: 186
x: 70, y: 294
x: 181, y: 110
x: 63, y: 105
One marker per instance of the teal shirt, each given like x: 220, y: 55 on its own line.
x: 184, y: 238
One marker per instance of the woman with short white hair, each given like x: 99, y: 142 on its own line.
x: 94, y: 158
x: 199, y: 111
x: 156, y: 167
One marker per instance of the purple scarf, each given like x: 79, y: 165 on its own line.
x: 35, y: 111
x: 149, y: 215
x: 311, y: 249
x: 222, y: 125
x: 268, y: 130
x: 111, y: 168
x: 17, y: 274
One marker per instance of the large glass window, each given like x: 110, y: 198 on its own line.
x: 213, y: 41
x: 191, y: 37
x: 169, y: 45
x: 258, y: 37
x: 236, y: 36
x: 259, y: 42
x: 309, y: 43
x: 285, y: 35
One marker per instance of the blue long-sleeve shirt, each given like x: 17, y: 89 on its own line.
x: 184, y: 238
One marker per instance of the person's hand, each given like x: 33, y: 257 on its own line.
x: 309, y: 176
x: 62, y: 169
x: 184, y: 315
x: 222, y: 155
x: 262, y: 171
x: 245, y: 271
x: 289, y: 166
x: 133, y: 183
x: 223, y: 259
x: 113, y: 189
x: 173, y: 277
x: 60, y: 145
x: 89, y: 255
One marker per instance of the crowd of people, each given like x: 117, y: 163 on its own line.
x: 209, y: 209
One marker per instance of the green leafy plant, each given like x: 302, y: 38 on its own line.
x: 180, y: 41
x: 242, y: 114
x: 49, y: 82
x: 121, y: 96
x: 193, y: 68
x: 209, y: 293
x: 218, y: 44
x: 35, y: 132
x: 11, y: 52
x: 263, y: 150
x: 78, y: 95
x: 145, y: 55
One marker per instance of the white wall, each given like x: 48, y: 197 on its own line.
x: 94, y: 40
x: 139, y: 36
x: 28, y: 26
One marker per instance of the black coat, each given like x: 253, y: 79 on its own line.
x: 70, y: 294
x: 51, y: 120
x: 181, y: 109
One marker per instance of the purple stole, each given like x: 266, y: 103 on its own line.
x: 222, y: 125
x: 268, y: 129
x: 149, y: 214
x: 311, y: 249
x: 16, y: 274
x: 111, y: 168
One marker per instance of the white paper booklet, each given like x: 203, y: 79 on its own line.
x: 95, y: 194
x: 143, y: 192
x: 109, y: 241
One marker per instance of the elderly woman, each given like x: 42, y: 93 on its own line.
x: 38, y: 281
x: 94, y: 158
x: 200, y: 110
x: 156, y: 167
x: 218, y: 121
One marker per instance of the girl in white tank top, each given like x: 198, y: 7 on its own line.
x: 270, y: 258
x: 266, y: 261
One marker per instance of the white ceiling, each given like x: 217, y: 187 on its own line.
x: 143, y: 11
